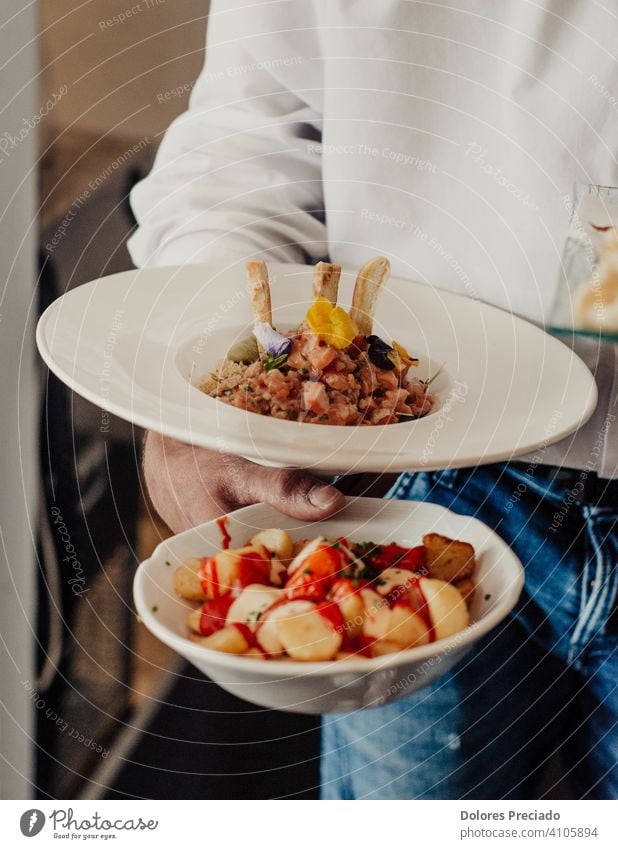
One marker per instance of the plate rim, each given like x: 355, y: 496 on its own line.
x: 372, y: 462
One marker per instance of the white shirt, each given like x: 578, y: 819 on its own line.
x: 445, y: 136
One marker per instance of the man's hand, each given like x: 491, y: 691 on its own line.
x: 190, y: 485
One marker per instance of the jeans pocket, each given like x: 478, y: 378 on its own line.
x: 599, y: 586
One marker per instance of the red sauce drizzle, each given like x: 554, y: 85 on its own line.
x: 209, y: 579
x: 422, y: 608
x: 330, y: 611
x: 398, y: 596
x: 358, y: 645
x: 247, y: 633
x: 252, y: 568
x: 213, y: 614
x: 261, y: 621
x: 413, y: 559
x: 225, y: 537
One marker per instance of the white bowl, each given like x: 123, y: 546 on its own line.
x: 342, y: 685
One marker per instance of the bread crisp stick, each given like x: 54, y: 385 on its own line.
x: 259, y: 290
x: 370, y: 280
x: 326, y: 281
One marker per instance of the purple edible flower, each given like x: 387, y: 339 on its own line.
x: 378, y: 353
x: 271, y: 341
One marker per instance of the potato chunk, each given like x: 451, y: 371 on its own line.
x: 382, y: 647
x: 393, y: 578
x: 448, y: 559
x: 186, y: 581
x: 307, y: 635
x: 353, y: 613
x: 277, y: 541
x: 193, y: 620
x: 267, y: 633
x: 250, y: 564
x: 398, y: 625
x: 228, y: 639
x: 351, y: 606
x: 447, y: 607
x: 251, y: 604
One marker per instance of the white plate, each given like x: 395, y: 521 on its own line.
x: 343, y: 685
x: 137, y: 343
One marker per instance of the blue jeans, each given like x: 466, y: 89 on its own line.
x: 545, y: 680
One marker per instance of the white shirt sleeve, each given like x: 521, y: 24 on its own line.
x: 239, y: 173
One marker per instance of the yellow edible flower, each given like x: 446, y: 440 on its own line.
x: 400, y: 358
x: 331, y: 324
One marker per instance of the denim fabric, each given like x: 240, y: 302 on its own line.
x: 544, y: 680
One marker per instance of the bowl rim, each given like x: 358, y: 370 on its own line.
x: 295, y: 668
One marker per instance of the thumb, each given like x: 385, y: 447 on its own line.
x: 293, y: 492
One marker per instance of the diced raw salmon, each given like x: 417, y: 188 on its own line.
x: 315, y: 399
x: 321, y: 358
x: 351, y: 389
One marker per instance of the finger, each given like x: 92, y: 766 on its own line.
x: 295, y: 493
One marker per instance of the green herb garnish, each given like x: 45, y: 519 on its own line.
x: 254, y: 616
x: 437, y: 374
x: 368, y: 547
x: 271, y: 362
